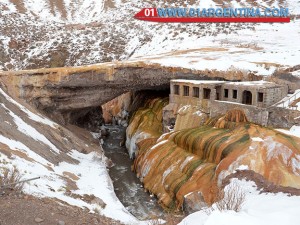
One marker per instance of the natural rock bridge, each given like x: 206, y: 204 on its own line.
x: 59, y: 91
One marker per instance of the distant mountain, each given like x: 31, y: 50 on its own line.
x: 53, y: 33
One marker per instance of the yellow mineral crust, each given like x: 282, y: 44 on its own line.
x: 145, y: 123
x: 198, y: 159
x: 189, y: 116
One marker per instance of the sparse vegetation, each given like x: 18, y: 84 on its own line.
x: 154, y: 222
x: 232, y: 198
x: 9, y: 179
x: 96, y: 210
x: 154, y: 219
x: 170, y: 219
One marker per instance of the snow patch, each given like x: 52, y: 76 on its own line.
x: 36, y: 117
x: 29, y: 130
x: 258, y: 209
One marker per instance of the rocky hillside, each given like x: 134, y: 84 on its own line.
x: 54, y: 33
x: 71, y: 165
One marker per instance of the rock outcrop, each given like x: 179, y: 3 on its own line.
x: 28, y: 129
x: 145, y: 123
x: 117, y: 108
x: 68, y: 160
x: 286, y: 77
x: 198, y: 159
x: 61, y: 91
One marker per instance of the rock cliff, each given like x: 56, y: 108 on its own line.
x: 144, y: 124
x: 66, y: 93
x: 69, y: 161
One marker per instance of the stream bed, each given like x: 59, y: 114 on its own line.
x: 128, y: 187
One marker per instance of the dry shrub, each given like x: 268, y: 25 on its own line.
x: 232, y: 198
x: 170, y: 219
x: 9, y: 178
x: 154, y: 220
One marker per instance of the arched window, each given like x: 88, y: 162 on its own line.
x: 247, y: 97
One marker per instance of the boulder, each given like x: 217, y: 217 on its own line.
x: 193, y: 202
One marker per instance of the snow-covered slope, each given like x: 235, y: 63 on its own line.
x: 258, y: 209
x: 57, y: 33
x: 72, y: 167
x: 261, y: 51
x: 60, y: 11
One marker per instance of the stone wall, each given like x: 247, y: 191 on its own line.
x: 272, y: 117
x: 260, y: 112
x: 271, y: 95
x: 274, y: 95
x: 186, y: 100
x: 254, y: 114
x: 283, y: 118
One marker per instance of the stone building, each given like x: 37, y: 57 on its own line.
x: 210, y: 98
x: 257, y: 93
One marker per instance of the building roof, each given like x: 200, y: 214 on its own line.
x: 198, y: 81
x: 259, y: 84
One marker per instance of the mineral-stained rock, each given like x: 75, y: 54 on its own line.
x: 115, y: 107
x: 263, y: 185
x: 198, y: 159
x: 146, y: 123
x: 66, y: 90
x: 188, y: 117
x: 193, y: 202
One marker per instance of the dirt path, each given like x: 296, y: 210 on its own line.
x: 29, y: 210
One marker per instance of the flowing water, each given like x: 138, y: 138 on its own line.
x: 128, y: 187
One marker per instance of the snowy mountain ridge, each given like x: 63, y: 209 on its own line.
x: 71, y: 33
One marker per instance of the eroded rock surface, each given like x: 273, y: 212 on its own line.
x: 66, y: 162
x: 61, y: 91
x: 198, y: 159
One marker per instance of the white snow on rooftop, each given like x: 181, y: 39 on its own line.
x: 245, y: 83
x: 198, y: 81
x: 253, y: 83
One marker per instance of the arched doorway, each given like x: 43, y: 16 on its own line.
x: 247, y: 97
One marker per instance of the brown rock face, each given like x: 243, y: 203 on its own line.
x: 198, y: 159
x: 13, y: 44
x: 55, y: 142
x: 193, y: 202
x: 262, y: 184
x: 115, y: 107
x: 59, y: 91
x: 286, y: 77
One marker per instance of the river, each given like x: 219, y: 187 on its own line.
x: 128, y: 187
